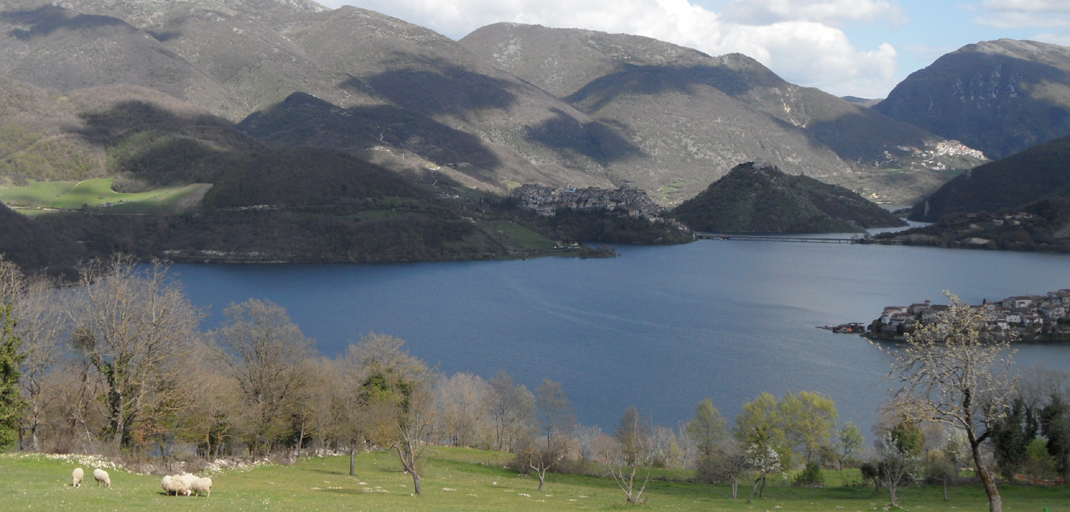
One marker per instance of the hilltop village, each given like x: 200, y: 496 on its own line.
x: 1030, y: 317
x: 546, y: 201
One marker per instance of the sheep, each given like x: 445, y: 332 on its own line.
x: 166, y: 484
x: 202, y: 485
x: 102, y: 477
x: 77, y: 475
x: 176, y: 486
x: 188, y: 480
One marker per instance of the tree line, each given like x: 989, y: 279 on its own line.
x: 117, y: 364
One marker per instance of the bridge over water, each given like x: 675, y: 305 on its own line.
x: 776, y: 238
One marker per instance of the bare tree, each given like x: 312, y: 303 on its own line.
x: 43, y: 329
x: 12, y: 281
x: 544, y: 451
x: 513, y: 408
x: 130, y: 323
x: 954, y: 372
x: 207, y: 421
x: 605, y: 449
x: 724, y: 463
x: 463, y: 405
x: 635, y: 452
x: 263, y: 350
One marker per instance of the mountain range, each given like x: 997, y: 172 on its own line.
x: 614, y: 108
x: 280, y: 104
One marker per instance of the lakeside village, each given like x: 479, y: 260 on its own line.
x: 629, y: 199
x: 1029, y: 317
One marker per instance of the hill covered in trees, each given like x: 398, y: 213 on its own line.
x: 759, y: 198
x: 1040, y: 172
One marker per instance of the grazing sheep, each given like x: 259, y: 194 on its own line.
x: 177, y: 487
x: 202, y: 485
x: 188, y: 479
x: 101, y: 477
x: 77, y: 475
x: 166, y: 484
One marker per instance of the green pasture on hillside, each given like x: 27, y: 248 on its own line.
x: 456, y: 479
x: 72, y: 195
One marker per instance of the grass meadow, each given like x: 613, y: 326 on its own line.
x: 71, y: 195
x: 460, y: 479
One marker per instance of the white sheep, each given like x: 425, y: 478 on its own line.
x: 101, y: 477
x: 166, y: 484
x: 77, y: 475
x: 176, y: 486
x: 188, y: 479
x: 202, y: 485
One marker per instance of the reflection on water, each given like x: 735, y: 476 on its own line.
x: 658, y: 327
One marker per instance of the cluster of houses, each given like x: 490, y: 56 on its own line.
x: 546, y: 201
x: 1029, y: 312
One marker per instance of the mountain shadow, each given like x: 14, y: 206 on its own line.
x: 150, y: 146
x: 50, y: 18
x: 36, y: 248
x: 309, y: 177
x: 595, y: 140
x: 434, y: 86
x: 304, y: 120
x: 656, y: 80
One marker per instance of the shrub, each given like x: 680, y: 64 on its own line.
x: 811, y: 476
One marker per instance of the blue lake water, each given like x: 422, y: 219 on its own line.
x: 659, y: 328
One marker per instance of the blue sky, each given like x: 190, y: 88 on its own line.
x: 845, y: 47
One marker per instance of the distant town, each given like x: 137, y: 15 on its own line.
x: 546, y: 201
x: 1030, y: 317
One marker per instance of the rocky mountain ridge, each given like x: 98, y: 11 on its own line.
x: 702, y: 114
x: 627, y: 108
x: 999, y: 97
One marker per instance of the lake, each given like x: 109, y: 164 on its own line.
x: 659, y: 328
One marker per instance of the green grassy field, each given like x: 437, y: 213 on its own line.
x: 515, y: 237
x: 454, y: 479
x: 71, y: 195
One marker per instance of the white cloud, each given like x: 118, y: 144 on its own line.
x: 798, y: 39
x: 1059, y: 39
x: 1039, y: 6
x: 1016, y: 14
x: 835, y: 12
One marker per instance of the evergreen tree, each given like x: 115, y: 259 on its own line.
x: 1012, y: 436
x: 1055, y: 425
x: 11, y: 400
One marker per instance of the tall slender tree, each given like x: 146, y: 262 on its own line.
x: 954, y: 371
x: 11, y: 400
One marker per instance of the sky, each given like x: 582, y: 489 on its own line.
x: 845, y: 47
